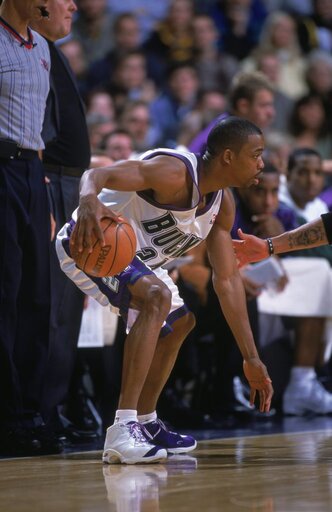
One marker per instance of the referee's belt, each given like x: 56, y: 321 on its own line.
x: 63, y: 170
x: 9, y: 150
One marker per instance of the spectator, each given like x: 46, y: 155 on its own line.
x: 309, y: 125
x: 172, y: 40
x: 98, y: 126
x: 130, y: 81
x: 210, y: 103
x: 100, y: 102
x: 136, y: 119
x: 118, y: 145
x: 170, y: 108
x: 148, y: 14
x: 126, y: 33
x: 239, y: 22
x: 251, y: 97
x: 279, y: 35
x: 315, y: 30
x: 319, y: 79
x: 215, y: 68
x: 278, y: 147
x: 303, y: 393
x: 93, y: 27
x: 305, y: 181
x: 268, y: 63
x: 319, y: 73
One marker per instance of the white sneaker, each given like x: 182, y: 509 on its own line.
x: 126, y: 443
x: 300, y: 398
x: 134, y: 488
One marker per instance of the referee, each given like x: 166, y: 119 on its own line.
x: 24, y: 231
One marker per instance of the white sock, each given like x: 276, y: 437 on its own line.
x: 302, y: 374
x: 125, y: 415
x: 146, y: 418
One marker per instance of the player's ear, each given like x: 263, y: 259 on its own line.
x: 228, y: 156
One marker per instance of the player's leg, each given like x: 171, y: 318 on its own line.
x: 165, y: 355
x: 164, y: 358
x: 125, y: 440
x: 153, y: 300
x: 179, y: 323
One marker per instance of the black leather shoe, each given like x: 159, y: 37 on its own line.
x: 27, y: 442
x: 49, y: 441
x: 72, y: 435
x: 68, y: 433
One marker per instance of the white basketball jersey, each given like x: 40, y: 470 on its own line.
x: 165, y: 232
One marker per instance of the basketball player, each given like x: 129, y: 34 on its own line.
x: 173, y: 200
x: 313, y: 234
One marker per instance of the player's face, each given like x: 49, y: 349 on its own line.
x: 306, y: 179
x: 262, y: 198
x: 248, y: 163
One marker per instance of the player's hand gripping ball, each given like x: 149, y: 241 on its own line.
x: 118, y: 251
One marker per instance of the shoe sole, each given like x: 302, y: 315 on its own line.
x: 114, y: 457
x: 182, y: 450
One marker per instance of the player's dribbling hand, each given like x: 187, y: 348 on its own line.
x: 87, y: 227
x: 259, y: 381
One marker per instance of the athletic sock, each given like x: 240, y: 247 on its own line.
x: 125, y: 415
x: 146, y: 418
x: 302, y: 374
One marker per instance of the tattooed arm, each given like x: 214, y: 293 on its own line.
x: 313, y: 234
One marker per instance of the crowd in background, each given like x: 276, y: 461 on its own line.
x: 157, y: 74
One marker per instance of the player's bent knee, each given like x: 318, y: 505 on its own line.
x: 159, y: 297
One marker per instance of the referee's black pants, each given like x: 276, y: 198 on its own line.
x: 24, y: 289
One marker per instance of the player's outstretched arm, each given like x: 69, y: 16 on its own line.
x: 313, y: 234
x: 229, y: 288
x: 249, y: 249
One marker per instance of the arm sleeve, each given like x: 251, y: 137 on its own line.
x: 327, y: 221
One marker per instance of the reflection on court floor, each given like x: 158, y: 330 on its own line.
x: 285, y: 472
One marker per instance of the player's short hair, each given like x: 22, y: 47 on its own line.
x: 230, y: 133
x: 298, y: 153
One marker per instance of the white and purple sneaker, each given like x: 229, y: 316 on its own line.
x: 171, y: 441
x: 127, y: 443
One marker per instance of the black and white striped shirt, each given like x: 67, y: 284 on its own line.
x: 24, y: 86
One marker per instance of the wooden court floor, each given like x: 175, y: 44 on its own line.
x: 290, y: 472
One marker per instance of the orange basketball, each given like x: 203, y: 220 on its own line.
x: 115, y: 256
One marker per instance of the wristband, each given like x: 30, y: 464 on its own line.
x: 270, y: 246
